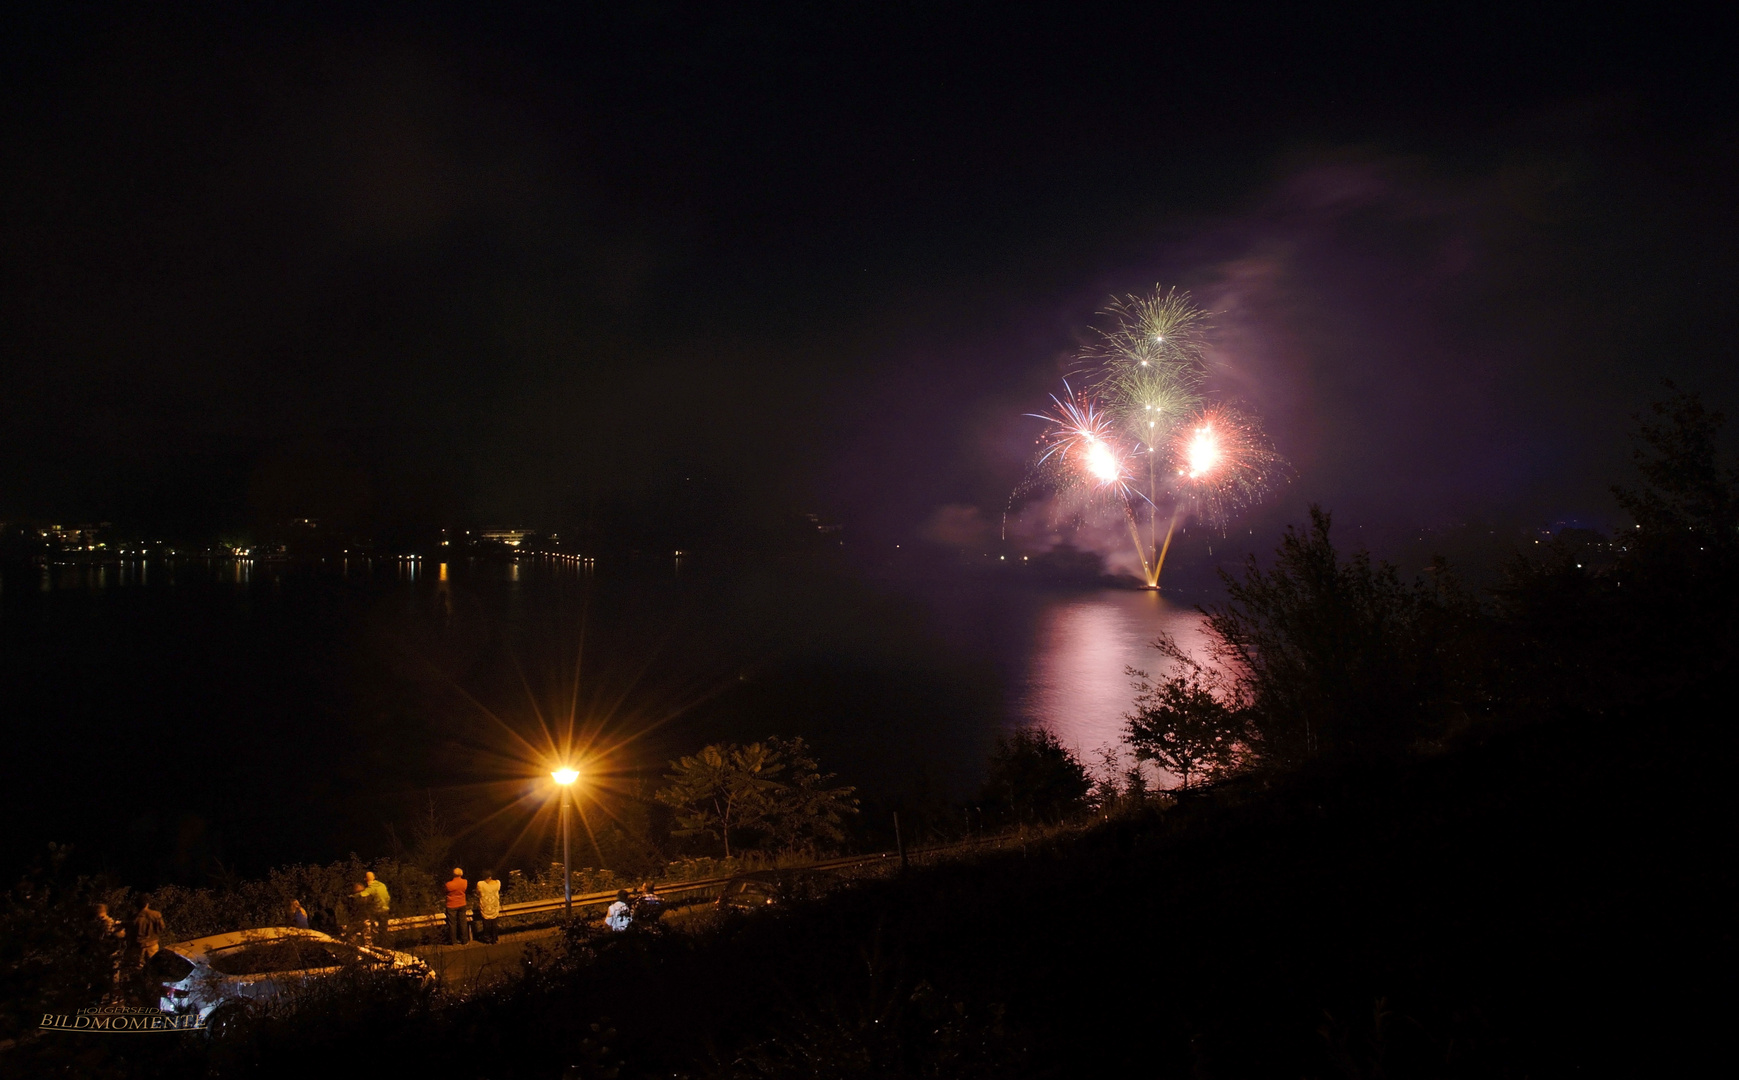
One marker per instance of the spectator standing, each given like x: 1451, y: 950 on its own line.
x: 488, y: 907
x: 109, y: 937
x: 377, y: 902
x: 619, y: 917
x: 298, y: 915
x: 144, y: 934
x: 355, y: 917
x: 458, y: 929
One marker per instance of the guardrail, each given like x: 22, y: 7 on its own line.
x: 683, y: 888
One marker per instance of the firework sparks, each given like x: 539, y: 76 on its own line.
x: 1223, y: 463
x: 1076, y: 423
x: 1202, y: 453
x: 1102, y: 463
x: 1145, y: 412
x: 1164, y: 332
x: 1147, y: 403
x: 1081, y: 447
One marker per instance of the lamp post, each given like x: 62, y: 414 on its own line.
x: 564, y: 778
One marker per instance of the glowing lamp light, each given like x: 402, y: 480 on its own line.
x: 564, y: 777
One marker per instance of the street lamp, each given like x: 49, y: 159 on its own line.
x: 564, y: 778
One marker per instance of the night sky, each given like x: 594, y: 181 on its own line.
x: 521, y: 265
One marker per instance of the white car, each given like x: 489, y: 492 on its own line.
x: 247, y: 966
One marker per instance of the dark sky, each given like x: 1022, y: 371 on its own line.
x: 497, y: 263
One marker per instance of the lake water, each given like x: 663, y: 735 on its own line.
x: 172, y: 716
x: 1063, y: 656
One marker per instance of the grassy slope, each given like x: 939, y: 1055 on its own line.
x: 1517, y: 903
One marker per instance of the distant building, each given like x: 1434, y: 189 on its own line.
x: 76, y: 537
x: 510, y: 537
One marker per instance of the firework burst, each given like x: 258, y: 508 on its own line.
x: 1164, y: 333
x: 1082, y: 452
x: 1220, y: 463
x: 1144, y: 435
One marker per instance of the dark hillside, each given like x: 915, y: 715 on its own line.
x: 1534, y: 900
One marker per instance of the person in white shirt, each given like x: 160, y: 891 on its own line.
x: 488, y: 907
x: 619, y: 916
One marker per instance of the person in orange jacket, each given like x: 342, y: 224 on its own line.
x: 458, y: 927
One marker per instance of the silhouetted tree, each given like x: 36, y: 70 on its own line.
x: 1687, y: 508
x: 774, y: 788
x: 1190, y: 723
x: 1591, y: 625
x: 806, y: 811
x: 1337, y: 653
x: 1034, y: 775
x: 724, y: 788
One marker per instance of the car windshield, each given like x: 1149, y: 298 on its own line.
x: 284, y: 954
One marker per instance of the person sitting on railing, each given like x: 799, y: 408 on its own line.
x: 648, y: 907
x: 619, y: 917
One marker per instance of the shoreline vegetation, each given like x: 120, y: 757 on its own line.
x: 1424, y: 832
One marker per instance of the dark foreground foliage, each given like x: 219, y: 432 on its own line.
x: 1504, y: 907
x: 1033, y: 778
x: 1328, y: 653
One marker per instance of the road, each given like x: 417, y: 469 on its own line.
x: 467, y: 967
x: 464, y: 968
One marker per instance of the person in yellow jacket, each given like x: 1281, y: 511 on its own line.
x: 376, y: 903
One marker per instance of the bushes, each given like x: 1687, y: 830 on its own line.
x: 1337, y: 654
x: 1439, y: 916
x: 773, y: 790
x: 1033, y: 777
x: 54, y: 955
x: 323, y: 890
